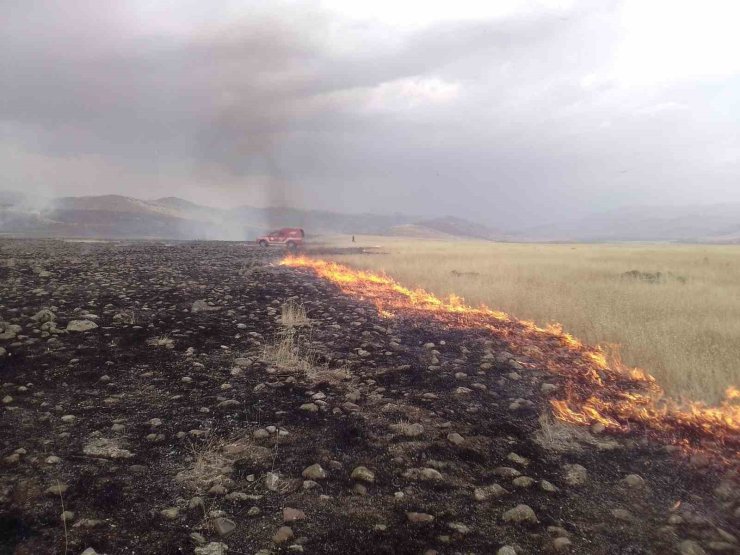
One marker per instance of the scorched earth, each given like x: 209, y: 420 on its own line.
x: 201, y: 398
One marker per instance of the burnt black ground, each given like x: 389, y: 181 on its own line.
x: 372, y: 373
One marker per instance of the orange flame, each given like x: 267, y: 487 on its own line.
x: 619, y: 398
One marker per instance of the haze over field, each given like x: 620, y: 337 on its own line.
x: 514, y: 114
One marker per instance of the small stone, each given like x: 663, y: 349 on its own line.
x: 314, y: 472
x: 548, y: 487
x: 170, y: 513
x: 213, y: 548
x: 518, y: 459
x: 459, y: 527
x: 548, y: 388
x: 506, y: 472
x: 283, y: 534
x: 419, y: 518
x: 363, y: 474
x: 224, y: 526
x: 455, y: 438
x: 57, y: 489
x: 634, y: 481
x: 506, y: 550
x: 623, y: 515
x: 575, y: 475
x: 254, y: 511
x: 261, y: 433
x: 309, y: 407
x: 690, y: 547
x: 523, y: 481
x: 81, y: 325
x: 217, y: 489
x: 290, y: 514
x: 272, y: 481
x: 196, y: 503
x: 520, y: 513
x: 68, y: 418
x: 68, y: 516
x: 561, y: 544
x: 102, y: 447
x: 488, y: 492
x: 425, y: 474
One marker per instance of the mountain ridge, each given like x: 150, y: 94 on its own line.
x: 120, y: 216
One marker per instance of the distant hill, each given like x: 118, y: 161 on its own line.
x: 116, y: 216
x: 718, y: 223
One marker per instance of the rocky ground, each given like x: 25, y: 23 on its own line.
x: 154, y: 400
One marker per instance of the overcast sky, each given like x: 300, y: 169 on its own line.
x: 504, y: 111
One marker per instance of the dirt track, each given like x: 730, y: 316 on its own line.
x: 164, y: 427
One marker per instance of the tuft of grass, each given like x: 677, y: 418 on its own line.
x: 677, y: 317
x: 209, y: 465
x: 287, y: 353
x: 293, y: 314
x: 163, y: 341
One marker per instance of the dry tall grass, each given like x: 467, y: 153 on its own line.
x: 683, y: 326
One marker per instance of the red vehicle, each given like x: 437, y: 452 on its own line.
x: 290, y: 237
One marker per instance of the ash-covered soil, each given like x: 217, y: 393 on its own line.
x: 141, y: 396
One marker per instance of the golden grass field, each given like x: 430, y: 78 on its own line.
x: 682, y: 327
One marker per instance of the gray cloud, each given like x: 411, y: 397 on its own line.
x: 504, y: 120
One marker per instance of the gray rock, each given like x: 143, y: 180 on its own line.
x: 81, y: 325
x: 575, y: 475
x: 213, y: 548
x: 520, y: 513
x: 106, y: 448
x: 57, y: 490
x: 171, y: 513
x: 44, y: 315
x: 506, y: 550
x: 506, y: 472
x: 548, y: 487
x: 523, y: 481
x: 634, y: 481
x: 202, y: 306
x: 561, y: 544
x: 690, y: 547
x: 283, y: 534
x: 363, y: 474
x: 314, y: 472
x: 224, y: 526
x: 455, y: 438
x: 488, y: 492
x: 419, y: 518
x: 290, y: 514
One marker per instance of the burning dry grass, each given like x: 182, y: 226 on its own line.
x: 683, y: 331
x: 596, y: 392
